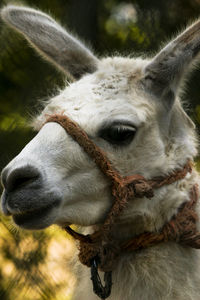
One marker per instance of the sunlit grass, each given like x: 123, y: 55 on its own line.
x: 33, y: 265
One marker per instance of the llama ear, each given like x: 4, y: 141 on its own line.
x: 165, y: 72
x: 51, y: 40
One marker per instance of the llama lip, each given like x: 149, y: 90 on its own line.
x: 29, y: 202
x: 37, y: 219
x: 5, y: 210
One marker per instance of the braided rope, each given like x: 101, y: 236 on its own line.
x: 182, y: 228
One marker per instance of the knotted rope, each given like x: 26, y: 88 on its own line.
x: 180, y: 229
x: 99, y: 246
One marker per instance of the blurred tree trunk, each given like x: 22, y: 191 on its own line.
x: 83, y: 20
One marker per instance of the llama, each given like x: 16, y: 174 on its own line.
x: 131, y: 109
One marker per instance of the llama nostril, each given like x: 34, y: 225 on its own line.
x: 20, y: 177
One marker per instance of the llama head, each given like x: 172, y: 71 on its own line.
x: 128, y: 107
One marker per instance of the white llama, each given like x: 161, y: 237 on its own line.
x: 130, y: 109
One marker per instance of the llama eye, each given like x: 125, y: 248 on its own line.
x: 118, y: 134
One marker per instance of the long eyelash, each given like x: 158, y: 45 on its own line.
x: 118, y: 134
x: 124, y: 127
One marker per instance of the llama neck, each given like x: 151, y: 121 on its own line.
x: 156, y: 272
x: 143, y: 215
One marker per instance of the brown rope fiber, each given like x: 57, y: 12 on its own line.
x: 181, y: 229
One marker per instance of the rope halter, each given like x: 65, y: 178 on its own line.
x: 98, y: 250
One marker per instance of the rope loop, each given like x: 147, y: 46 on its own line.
x: 105, y: 255
x: 99, y: 247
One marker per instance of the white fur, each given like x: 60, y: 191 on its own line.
x: 165, y: 140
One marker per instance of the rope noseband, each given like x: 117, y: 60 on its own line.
x: 99, y: 250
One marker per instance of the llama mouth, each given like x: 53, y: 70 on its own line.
x: 37, y: 219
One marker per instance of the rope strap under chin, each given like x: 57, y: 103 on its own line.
x: 99, y: 249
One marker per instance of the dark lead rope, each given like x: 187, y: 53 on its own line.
x: 101, y: 291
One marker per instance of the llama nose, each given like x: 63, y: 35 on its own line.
x: 19, y: 177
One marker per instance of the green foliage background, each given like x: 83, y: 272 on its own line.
x: 109, y: 26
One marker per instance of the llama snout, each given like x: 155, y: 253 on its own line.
x: 26, y: 198
x: 19, y: 177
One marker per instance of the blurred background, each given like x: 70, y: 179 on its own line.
x: 33, y: 264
